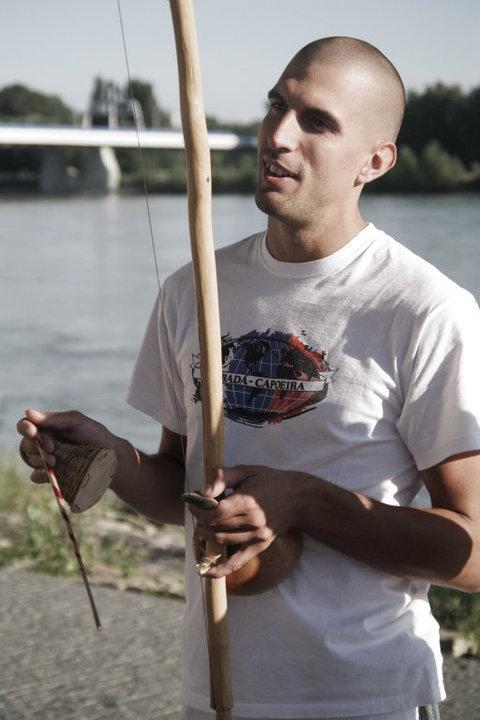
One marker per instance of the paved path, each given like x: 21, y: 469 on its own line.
x: 55, y: 666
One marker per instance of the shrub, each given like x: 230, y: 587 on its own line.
x: 457, y: 611
x: 434, y: 170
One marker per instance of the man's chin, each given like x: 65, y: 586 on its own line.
x: 267, y: 203
x: 279, y: 208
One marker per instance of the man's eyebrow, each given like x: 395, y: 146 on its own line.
x: 329, y: 119
x: 274, y: 95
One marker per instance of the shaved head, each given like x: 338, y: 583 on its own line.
x: 384, y: 93
x: 331, y: 124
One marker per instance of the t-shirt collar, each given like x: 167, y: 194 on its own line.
x: 324, y: 266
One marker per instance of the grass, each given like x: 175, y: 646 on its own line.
x: 32, y: 531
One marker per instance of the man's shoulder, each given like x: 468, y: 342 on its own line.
x: 228, y: 258
x: 415, y: 281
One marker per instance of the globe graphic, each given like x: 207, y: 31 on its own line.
x: 273, y: 356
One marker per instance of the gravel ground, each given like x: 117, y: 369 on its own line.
x: 55, y: 666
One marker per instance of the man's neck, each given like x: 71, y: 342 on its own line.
x: 289, y: 244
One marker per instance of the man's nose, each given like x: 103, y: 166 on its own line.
x: 283, y: 133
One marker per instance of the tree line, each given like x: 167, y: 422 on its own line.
x: 439, y: 143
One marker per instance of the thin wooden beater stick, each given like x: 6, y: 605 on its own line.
x: 73, y: 540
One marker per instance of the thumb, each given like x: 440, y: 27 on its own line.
x: 225, y: 478
x: 55, y: 421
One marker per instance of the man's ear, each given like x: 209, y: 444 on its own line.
x: 379, y: 163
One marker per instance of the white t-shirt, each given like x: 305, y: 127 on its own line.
x: 360, y: 368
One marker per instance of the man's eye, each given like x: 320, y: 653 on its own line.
x: 317, y: 121
x: 276, y: 105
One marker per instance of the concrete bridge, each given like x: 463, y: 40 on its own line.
x: 100, y: 170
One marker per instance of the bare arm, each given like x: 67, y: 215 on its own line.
x: 439, y: 544
x: 152, y: 484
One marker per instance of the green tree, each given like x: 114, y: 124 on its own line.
x: 97, y: 91
x: 153, y: 114
x: 234, y: 171
x: 250, y: 128
x: 21, y: 104
x: 470, y: 129
x: 436, y: 114
x: 441, y: 171
x: 406, y: 176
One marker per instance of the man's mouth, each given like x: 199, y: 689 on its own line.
x: 275, y: 169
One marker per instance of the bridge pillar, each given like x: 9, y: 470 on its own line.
x: 99, y: 171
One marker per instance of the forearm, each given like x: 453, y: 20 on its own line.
x: 440, y: 546
x: 150, y: 484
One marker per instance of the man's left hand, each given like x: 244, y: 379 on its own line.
x: 263, y: 506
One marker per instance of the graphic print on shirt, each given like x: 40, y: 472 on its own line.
x: 268, y: 377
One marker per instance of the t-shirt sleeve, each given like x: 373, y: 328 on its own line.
x: 441, y: 412
x: 155, y: 387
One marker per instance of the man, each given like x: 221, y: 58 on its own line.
x: 350, y: 378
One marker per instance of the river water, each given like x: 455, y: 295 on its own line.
x: 77, y: 282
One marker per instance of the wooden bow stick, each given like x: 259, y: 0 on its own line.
x: 203, y: 257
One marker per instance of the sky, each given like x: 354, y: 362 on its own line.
x: 59, y: 46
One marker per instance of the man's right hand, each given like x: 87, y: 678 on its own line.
x: 71, y: 426
x: 150, y: 484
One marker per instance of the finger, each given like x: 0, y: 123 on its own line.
x: 239, y: 558
x: 54, y: 421
x: 228, y: 536
x: 27, y: 447
x: 36, y: 461
x: 228, y: 515
x: 228, y: 478
x: 29, y: 453
x: 30, y: 446
x: 216, y: 484
x: 37, y: 416
x: 233, y: 538
x: 39, y: 477
x: 27, y: 428
x: 46, y: 443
